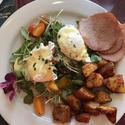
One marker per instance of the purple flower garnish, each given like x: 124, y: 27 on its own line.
x: 7, y: 86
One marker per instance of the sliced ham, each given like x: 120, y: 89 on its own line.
x: 119, y: 54
x: 116, y: 47
x: 100, y: 31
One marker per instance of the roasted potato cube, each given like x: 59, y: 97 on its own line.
x: 102, y: 63
x: 110, y: 112
x: 89, y: 68
x: 113, y: 83
x: 94, y: 80
x: 84, y: 94
x: 107, y: 70
x: 112, y: 117
x: 106, y: 109
x: 74, y: 103
x: 121, y: 89
x: 84, y: 117
x: 62, y: 113
x: 102, y: 97
x: 91, y: 108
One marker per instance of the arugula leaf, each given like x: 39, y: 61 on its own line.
x: 28, y: 99
x: 25, y: 34
x: 40, y: 87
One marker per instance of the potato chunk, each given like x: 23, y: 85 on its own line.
x: 102, y: 97
x: 113, y: 83
x: 88, y: 69
x: 84, y: 117
x: 74, y: 103
x: 107, y: 70
x: 110, y: 112
x: 91, y: 108
x: 94, y: 80
x: 84, y: 94
x: 62, y: 113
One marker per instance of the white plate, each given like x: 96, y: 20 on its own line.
x: 17, y: 113
x: 1, y: 1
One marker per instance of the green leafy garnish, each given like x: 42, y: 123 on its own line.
x: 95, y: 58
x: 28, y: 99
x: 40, y: 87
x: 25, y: 34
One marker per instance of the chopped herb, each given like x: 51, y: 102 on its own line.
x: 43, y: 59
x: 59, y: 36
x: 39, y: 58
x: 46, y: 61
x: 77, y: 22
x: 34, y: 66
x: 74, y: 46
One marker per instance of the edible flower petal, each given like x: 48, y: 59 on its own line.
x: 7, y: 86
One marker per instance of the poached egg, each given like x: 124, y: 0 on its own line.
x: 72, y: 44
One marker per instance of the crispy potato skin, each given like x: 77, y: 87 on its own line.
x: 74, y: 103
x: 94, y: 80
x: 102, y: 63
x: 106, y: 109
x: 84, y: 117
x: 84, y: 94
x: 110, y: 112
x: 89, y: 68
x: 107, y: 70
x: 62, y: 113
x: 102, y: 97
x: 112, y: 117
x: 91, y: 108
x: 113, y: 83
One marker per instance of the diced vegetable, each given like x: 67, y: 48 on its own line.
x: 39, y: 105
x: 64, y: 82
x: 39, y: 30
x: 107, y: 109
x: 94, y: 80
x: 74, y: 103
x: 52, y: 86
x: 84, y: 94
x: 62, y: 113
x: 107, y: 70
x: 101, y: 63
x: 121, y: 89
x: 91, y: 108
x: 88, y: 69
x: 113, y: 83
x: 112, y: 117
x: 102, y: 97
x: 84, y: 117
x: 110, y: 112
x: 31, y: 28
